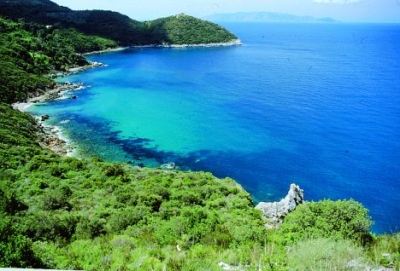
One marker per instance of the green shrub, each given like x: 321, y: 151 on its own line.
x: 10, y: 204
x: 58, y: 198
x: 90, y: 228
x: 220, y: 237
x: 15, y: 248
x: 114, y: 170
x: 343, y: 219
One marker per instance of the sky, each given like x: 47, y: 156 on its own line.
x: 344, y: 10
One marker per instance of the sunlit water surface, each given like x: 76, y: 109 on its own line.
x: 317, y: 105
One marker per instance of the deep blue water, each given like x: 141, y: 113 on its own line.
x: 317, y: 105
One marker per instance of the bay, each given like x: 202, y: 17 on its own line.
x: 312, y: 104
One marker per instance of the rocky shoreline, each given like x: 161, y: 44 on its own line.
x: 236, y: 42
x: 52, y: 137
x: 74, y: 70
x: 57, y: 92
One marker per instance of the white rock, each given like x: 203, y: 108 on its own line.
x: 274, y: 212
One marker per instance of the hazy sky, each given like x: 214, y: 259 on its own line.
x: 344, y: 10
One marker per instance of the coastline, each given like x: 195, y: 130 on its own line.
x: 55, y: 93
x: 52, y: 136
x: 235, y: 42
x: 58, y: 90
x: 74, y: 70
x: 109, y: 50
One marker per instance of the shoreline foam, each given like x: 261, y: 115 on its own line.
x: 55, y: 93
x: 54, y: 139
x: 52, y: 136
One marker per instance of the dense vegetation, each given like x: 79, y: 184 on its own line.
x: 183, y: 29
x: 53, y: 205
x: 180, y: 29
x: 29, y: 51
x: 64, y: 212
x: 44, y: 37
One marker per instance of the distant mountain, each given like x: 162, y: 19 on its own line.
x: 116, y: 26
x: 265, y: 17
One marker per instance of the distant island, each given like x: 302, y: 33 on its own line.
x: 266, y: 17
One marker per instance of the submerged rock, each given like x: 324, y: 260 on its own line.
x: 274, y: 212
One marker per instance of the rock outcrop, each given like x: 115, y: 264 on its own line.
x: 51, y: 137
x: 274, y: 212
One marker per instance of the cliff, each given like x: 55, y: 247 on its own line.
x: 275, y: 212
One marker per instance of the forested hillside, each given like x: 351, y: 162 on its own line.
x: 175, y: 30
x: 45, y: 37
x: 180, y: 29
x: 29, y: 51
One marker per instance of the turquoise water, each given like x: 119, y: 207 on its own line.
x: 318, y: 105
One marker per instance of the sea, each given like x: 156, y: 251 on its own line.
x: 313, y: 104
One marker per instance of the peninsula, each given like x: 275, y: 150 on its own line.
x: 124, y: 31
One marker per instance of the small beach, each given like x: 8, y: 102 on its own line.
x: 58, y: 92
x: 52, y: 136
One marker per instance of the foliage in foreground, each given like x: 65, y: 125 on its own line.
x: 59, y: 206
x: 61, y: 212
x: 386, y: 250
x: 326, y: 254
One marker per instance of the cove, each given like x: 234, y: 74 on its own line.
x: 317, y: 105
